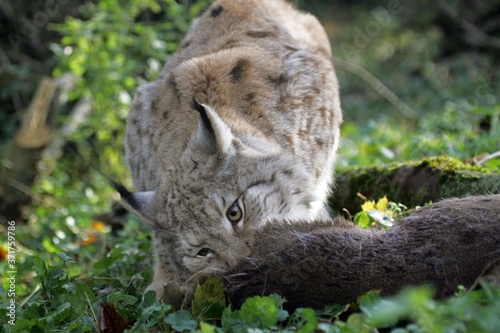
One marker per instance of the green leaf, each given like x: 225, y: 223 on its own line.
x: 327, y: 328
x: 232, y: 322
x: 207, y: 328
x: 387, y: 312
x: 332, y: 311
x: 362, y: 220
x: 181, y: 321
x: 358, y: 323
x: 307, y: 320
x: 148, y: 299
x: 122, y: 298
x: 105, y: 263
x: 278, y: 300
x: 491, y: 291
x: 381, y: 217
x: 209, y: 300
x: 62, y: 313
x: 212, y: 289
x: 65, y: 257
x: 260, y: 311
x: 32, y: 325
x: 369, y: 301
x: 151, y: 315
x: 39, y: 266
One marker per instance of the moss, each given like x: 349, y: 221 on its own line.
x: 412, y: 183
x: 450, y: 164
x: 443, y: 163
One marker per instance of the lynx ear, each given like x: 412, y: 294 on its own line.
x: 139, y: 203
x: 213, y: 135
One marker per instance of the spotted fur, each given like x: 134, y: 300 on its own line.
x: 245, y: 113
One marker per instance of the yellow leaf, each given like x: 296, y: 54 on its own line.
x: 368, y: 205
x: 382, y: 204
x: 98, y: 226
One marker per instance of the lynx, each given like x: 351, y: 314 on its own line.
x: 240, y: 128
x: 448, y: 244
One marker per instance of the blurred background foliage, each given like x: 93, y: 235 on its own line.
x: 417, y: 78
x: 441, y: 58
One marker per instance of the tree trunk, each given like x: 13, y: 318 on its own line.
x: 36, y: 132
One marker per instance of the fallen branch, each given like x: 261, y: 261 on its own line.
x: 488, y: 158
x: 378, y: 86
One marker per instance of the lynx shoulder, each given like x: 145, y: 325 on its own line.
x: 450, y: 243
x: 241, y: 127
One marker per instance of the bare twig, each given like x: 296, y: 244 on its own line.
x: 488, y: 158
x: 28, y: 298
x: 479, y: 37
x: 16, y: 98
x: 77, y: 116
x: 378, y: 86
x: 92, y: 310
x: 20, y: 187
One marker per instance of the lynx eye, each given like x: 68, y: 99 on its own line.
x: 234, y: 213
x: 204, y: 252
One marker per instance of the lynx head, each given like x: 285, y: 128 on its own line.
x: 210, y: 203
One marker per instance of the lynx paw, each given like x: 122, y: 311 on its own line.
x: 171, y: 292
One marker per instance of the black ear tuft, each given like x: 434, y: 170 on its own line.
x: 197, y: 106
x: 127, y: 196
x: 203, y: 114
x: 216, y: 11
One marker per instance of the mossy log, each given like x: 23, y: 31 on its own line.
x: 412, y: 183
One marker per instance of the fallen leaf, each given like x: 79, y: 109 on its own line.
x: 89, y: 239
x: 3, y: 254
x: 110, y: 321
